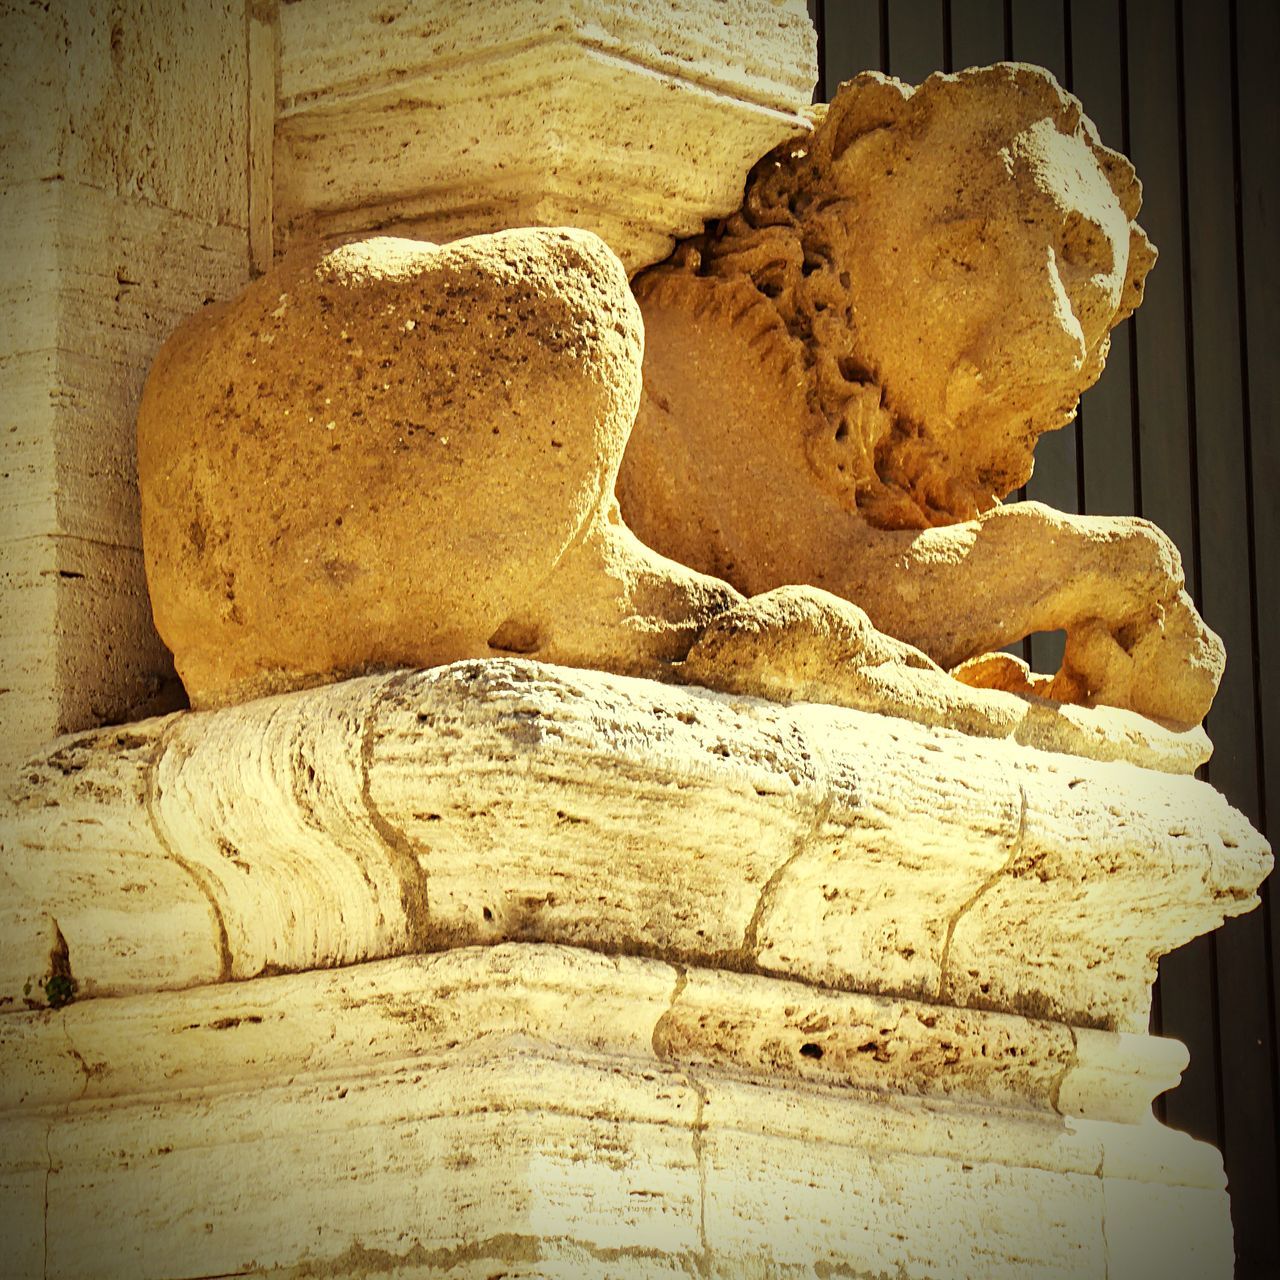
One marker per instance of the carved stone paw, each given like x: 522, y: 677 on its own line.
x: 1165, y: 664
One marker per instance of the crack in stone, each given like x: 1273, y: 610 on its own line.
x: 944, y: 962
x: 1102, y: 1217
x: 151, y: 802
x: 85, y: 1069
x: 804, y: 841
x: 1073, y: 1061
x: 48, y: 1173
x: 88, y: 1074
x: 415, y: 898
x: 699, y: 1155
x: 682, y: 981
x: 703, y: 1262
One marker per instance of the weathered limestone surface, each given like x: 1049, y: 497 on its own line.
x: 81, y: 321
x: 392, y: 396
x: 113, y: 96
x: 801, y: 644
x: 116, y: 225
x: 476, y: 398
x: 511, y: 800
x: 884, y: 965
x: 616, y: 1006
x: 636, y: 119
x: 843, y: 379
x: 593, y: 1115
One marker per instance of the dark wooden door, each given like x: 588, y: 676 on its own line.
x: 1184, y: 428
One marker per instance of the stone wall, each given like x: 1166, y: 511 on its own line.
x: 135, y: 147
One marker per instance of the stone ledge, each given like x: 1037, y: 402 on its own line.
x: 761, y: 52
x: 509, y: 800
x: 552, y: 1109
x: 469, y: 1002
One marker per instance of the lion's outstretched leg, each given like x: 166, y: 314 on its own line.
x: 717, y: 475
x: 1114, y: 584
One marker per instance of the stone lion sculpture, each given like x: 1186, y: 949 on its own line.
x: 387, y: 453
x: 844, y: 378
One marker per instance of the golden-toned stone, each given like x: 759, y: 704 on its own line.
x: 377, y: 455
x: 635, y: 119
x: 843, y: 379
x: 509, y: 799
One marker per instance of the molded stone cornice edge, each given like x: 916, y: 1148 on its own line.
x: 637, y: 120
x: 472, y: 1001
x: 509, y: 800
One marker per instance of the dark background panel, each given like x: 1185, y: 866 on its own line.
x: 1183, y: 428
x: 1257, y: 52
x: 977, y: 30
x: 1223, y: 494
x: 915, y: 42
x: 851, y: 41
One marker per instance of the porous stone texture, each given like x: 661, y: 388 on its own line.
x: 510, y: 800
x: 869, y: 349
x: 390, y: 453
x: 125, y: 152
x: 637, y: 119
x: 801, y: 644
x: 475, y: 399
x: 548, y: 1112
x: 502, y: 967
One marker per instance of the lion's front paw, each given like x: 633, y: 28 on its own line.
x: 1165, y: 664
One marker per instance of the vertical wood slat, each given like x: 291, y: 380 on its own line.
x: 977, y: 32
x: 1184, y: 428
x: 1255, y: 54
x: 915, y: 39
x: 1188, y: 1005
x: 1245, y: 1036
x: 1038, y: 35
x: 852, y: 40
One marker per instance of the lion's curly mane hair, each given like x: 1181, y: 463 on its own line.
x: 789, y: 238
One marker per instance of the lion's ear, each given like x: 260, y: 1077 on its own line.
x: 868, y: 102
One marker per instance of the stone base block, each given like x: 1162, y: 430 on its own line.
x: 634, y: 118
x: 507, y: 800
x: 529, y: 1110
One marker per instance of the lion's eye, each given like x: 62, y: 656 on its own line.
x: 1085, y: 245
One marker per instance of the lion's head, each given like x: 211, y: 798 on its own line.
x: 950, y: 261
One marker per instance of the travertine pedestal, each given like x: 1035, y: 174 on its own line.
x: 501, y: 968
x: 719, y: 985
x: 536, y: 1110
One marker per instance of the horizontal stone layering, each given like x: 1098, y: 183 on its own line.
x: 553, y: 1112
x: 635, y: 119
x: 132, y: 142
x: 613, y: 1005
x: 507, y: 799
